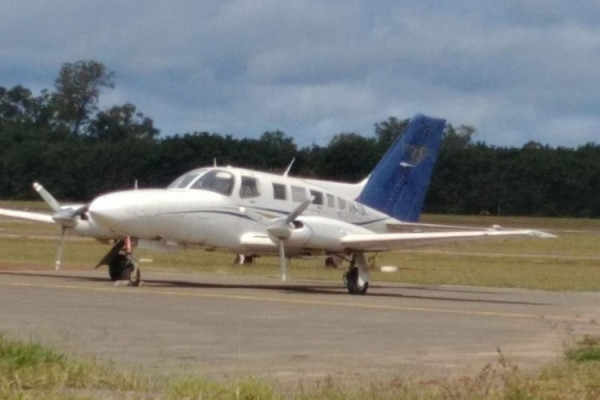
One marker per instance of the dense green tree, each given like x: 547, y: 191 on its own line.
x: 114, y: 147
x: 388, y: 131
x: 278, y: 150
x: 457, y: 138
x: 349, y: 157
x: 78, y: 89
x: 17, y: 105
x: 120, y: 123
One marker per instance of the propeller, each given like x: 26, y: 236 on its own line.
x: 281, y: 229
x: 48, y: 198
x: 66, y: 217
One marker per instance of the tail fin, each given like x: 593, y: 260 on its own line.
x: 398, y: 184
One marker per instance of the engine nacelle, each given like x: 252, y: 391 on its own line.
x: 88, y: 227
x: 315, y: 232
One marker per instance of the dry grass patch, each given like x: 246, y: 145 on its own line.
x: 30, y: 371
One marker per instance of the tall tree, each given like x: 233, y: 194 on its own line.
x: 349, y: 157
x: 78, y: 89
x: 457, y: 138
x: 388, y: 131
x: 122, y: 122
x: 277, y: 148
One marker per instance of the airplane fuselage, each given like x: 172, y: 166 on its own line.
x: 231, y: 208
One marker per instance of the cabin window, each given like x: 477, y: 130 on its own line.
x: 341, y: 203
x: 279, y: 191
x: 330, y: 201
x: 215, y: 181
x: 317, y: 197
x: 298, y: 194
x: 249, y: 187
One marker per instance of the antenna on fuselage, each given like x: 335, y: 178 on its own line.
x: 287, y: 171
x: 215, y: 162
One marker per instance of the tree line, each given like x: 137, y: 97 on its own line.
x: 62, y: 139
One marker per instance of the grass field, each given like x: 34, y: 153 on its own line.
x: 30, y: 371
x: 569, y: 262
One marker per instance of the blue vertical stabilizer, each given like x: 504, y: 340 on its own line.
x: 398, y: 184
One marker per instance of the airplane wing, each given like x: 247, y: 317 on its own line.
x: 390, y: 241
x: 26, y: 215
x: 396, y: 226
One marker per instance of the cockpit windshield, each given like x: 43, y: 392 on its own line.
x: 184, y: 180
x: 206, y: 179
x: 216, y: 181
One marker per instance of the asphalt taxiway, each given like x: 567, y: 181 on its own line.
x: 224, y: 327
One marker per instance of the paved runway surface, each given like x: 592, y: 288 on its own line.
x: 298, y: 331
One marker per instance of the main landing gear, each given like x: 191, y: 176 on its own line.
x: 357, y: 277
x: 121, y: 265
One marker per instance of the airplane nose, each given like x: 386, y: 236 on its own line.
x: 108, y: 211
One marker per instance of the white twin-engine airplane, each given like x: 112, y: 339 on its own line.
x: 255, y: 213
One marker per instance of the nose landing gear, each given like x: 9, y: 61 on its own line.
x: 121, y: 265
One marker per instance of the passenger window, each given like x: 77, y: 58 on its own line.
x: 330, y: 201
x: 215, y: 181
x: 341, y: 203
x: 317, y: 197
x: 279, y: 191
x: 298, y: 194
x: 249, y: 187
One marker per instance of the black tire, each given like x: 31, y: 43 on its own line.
x: 116, y: 267
x: 134, y: 277
x: 351, y: 279
x: 121, y: 268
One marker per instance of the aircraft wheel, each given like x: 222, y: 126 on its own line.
x: 134, y: 275
x: 351, y: 280
x: 122, y: 268
x: 116, y: 267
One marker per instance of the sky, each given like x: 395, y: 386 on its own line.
x: 515, y: 70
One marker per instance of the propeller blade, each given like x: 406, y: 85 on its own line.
x: 282, y: 263
x: 280, y: 230
x: 64, y: 216
x: 299, y: 210
x: 59, y: 252
x: 48, y: 198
